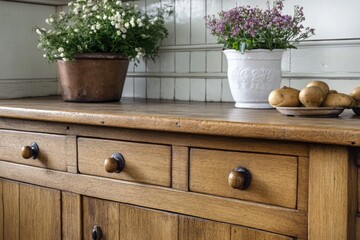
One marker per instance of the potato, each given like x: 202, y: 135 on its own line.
x: 311, y: 96
x: 337, y: 100
x: 333, y: 91
x: 322, y: 85
x: 355, y: 93
x: 284, y: 97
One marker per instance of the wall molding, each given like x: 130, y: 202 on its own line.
x: 16, y: 88
x: 219, y: 47
x: 305, y: 75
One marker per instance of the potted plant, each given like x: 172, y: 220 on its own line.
x: 254, y: 41
x: 92, y: 43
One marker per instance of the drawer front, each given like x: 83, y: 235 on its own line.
x: 145, y: 163
x: 273, y: 177
x: 55, y: 151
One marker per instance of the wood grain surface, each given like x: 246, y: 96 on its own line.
x: 11, y: 196
x: 200, y: 229
x: 146, y: 163
x: 55, y: 151
x: 71, y: 213
x: 269, y: 218
x: 202, y: 118
x: 141, y: 223
x: 274, y: 177
x: 238, y: 232
x: 332, y: 193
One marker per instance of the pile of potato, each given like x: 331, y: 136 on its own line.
x: 316, y: 94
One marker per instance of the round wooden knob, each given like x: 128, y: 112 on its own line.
x: 96, y: 233
x: 31, y: 151
x: 239, y: 178
x: 115, y: 164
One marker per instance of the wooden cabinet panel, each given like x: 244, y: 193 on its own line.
x: 146, y: 163
x: 104, y: 214
x: 11, y: 196
x: 274, y: 177
x: 40, y: 213
x: 145, y: 224
x: 240, y: 233
x: 199, y: 229
x: 31, y: 212
x: 56, y: 151
x: 71, y: 216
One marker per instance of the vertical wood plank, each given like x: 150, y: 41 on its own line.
x: 252, y: 234
x: 140, y: 223
x: 180, y: 168
x: 196, y: 228
x: 332, y: 193
x: 303, y: 183
x: 40, y: 213
x: 71, y: 216
x: 71, y: 152
x: 358, y: 227
x: 11, y: 210
x: 104, y: 214
x: 1, y: 211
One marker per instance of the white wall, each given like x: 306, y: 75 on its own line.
x: 191, y: 65
x: 23, y: 71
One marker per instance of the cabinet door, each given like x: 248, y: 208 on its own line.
x: 240, y: 233
x: 199, y: 229
x: 125, y: 222
x: 104, y: 214
x: 145, y: 224
x: 30, y: 212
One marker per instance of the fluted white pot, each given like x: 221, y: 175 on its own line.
x: 253, y: 75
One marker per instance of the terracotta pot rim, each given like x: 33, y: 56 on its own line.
x: 99, y: 56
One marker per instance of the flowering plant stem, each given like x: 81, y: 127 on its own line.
x: 107, y: 26
x: 245, y: 28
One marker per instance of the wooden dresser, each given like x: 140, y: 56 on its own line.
x: 153, y: 170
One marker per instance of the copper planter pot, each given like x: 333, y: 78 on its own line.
x: 93, y: 77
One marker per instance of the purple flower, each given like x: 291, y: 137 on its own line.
x: 258, y: 28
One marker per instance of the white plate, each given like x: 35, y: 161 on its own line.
x: 311, y: 111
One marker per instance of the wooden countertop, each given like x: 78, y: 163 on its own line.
x: 196, y: 117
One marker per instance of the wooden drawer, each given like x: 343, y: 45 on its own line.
x: 273, y: 177
x: 55, y: 151
x: 145, y: 163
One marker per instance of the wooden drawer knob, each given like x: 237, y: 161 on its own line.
x: 31, y: 151
x: 115, y: 164
x: 239, y: 178
x: 96, y: 233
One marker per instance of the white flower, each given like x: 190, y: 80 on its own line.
x: 98, y: 26
x: 118, y: 33
x: 44, y: 55
x: 127, y: 25
x: 93, y: 27
x: 94, y: 8
x: 38, y: 31
x: 105, y: 17
x: 76, y: 30
x: 47, y: 21
x: 119, y: 3
x: 62, y: 55
x: 123, y: 36
x: 61, y: 50
x: 65, y: 59
x: 51, y: 20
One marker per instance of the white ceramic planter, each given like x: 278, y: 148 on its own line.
x: 253, y: 75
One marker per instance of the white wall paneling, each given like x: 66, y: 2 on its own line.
x: 191, y: 65
x: 167, y: 88
x: 153, y: 86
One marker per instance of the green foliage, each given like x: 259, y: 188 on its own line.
x: 108, y: 26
